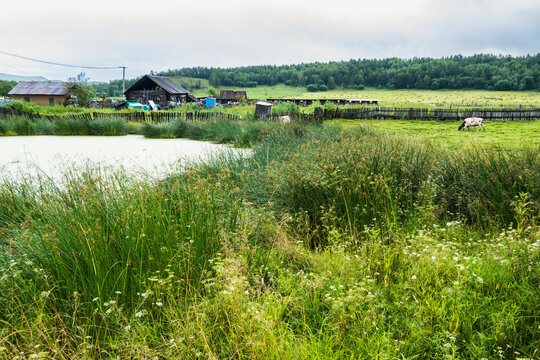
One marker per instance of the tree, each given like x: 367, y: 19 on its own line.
x: 79, y: 92
x: 6, y: 86
x: 212, y: 91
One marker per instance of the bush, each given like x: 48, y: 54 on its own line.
x: 323, y: 87
x: 312, y: 88
x: 285, y: 108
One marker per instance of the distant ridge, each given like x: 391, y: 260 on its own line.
x: 7, y: 77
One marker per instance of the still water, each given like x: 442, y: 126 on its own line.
x: 51, y: 156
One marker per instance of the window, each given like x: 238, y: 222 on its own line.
x: 51, y: 101
x: 27, y: 98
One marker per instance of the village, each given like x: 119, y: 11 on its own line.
x: 155, y: 93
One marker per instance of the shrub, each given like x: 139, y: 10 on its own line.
x: 312, y: 88
x: 285, y: 108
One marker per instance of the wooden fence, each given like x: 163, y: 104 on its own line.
x: 386, y: 113
x: 320, y: 114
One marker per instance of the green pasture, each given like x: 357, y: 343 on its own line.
x: 508, y: 134
x: 391, y: 97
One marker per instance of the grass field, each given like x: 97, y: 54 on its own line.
x: 327, y: 243
x: 508, y: 134
x: 394, y: 97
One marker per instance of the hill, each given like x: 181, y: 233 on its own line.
x: 8, y: 77
x: 481, y: 72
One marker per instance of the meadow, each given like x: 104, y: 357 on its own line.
x: 505, y: 134
x: 330, y: 242
x: 404, y: 97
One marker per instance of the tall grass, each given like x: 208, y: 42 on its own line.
x: 237, y: 133
x: 103, y: 240
x: 324, y: 244
x: 19, y: 125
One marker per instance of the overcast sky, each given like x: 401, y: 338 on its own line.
x: 166, y: 34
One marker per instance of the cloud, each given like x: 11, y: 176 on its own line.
x: 172, y: 34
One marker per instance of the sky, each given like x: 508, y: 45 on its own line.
x: 166, y: 34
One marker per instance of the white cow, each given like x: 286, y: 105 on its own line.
x: 472, y: 121
x: 285, y: 119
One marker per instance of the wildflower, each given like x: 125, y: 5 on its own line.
x: 479, y: 279
x: 118, y: 292
x: 159, y: 303
x: 246, y: 292
x: 413, y: 277
x: 45, y: 294
x: 433, y: 258
x: 140, y: 313
x: 95, y: 299
x: 127, y: 328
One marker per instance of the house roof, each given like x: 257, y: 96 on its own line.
x: 164, y: 82
x: 39, y: 88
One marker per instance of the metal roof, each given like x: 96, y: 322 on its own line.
x: 165, y: 83
x: 39, y: 88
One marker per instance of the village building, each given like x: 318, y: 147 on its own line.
x: 41, y: 92
x: 231, y: 96
x: 159, y: 89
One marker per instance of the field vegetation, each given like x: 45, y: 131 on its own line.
x: 326, y: 243
x: 498, y: 134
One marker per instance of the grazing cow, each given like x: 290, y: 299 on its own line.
x: 472, y: 121
x: 285, y: 119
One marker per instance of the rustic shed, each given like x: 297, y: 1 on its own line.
x: 231, y: 96
x: 40, y: 92
x: 263, y: 109
x: 159, y: 89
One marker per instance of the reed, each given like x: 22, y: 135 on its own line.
x: 325, y: 243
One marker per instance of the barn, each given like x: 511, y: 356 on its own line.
x: 40, y: 92
x: 159, y: 89
x: 231, y: 96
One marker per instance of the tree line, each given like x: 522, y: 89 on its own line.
x: 6, y: 86
x: 488, y: 72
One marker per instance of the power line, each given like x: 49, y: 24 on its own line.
x: 74, y: 66
x: 59, y: 64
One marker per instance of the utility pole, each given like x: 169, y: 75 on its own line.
x: 123, y: 81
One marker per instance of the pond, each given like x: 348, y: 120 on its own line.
x: 25, y: 157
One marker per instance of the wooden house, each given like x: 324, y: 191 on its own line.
x: 41, y: 92
x: 159, y: 89
x: 231, y: 96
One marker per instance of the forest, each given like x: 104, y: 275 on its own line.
x: 487, y: 72
x: 482, y: 72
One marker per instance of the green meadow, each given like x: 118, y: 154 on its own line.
x: 404, y: 97
x: 329, y: 242
x: 505, y: 134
